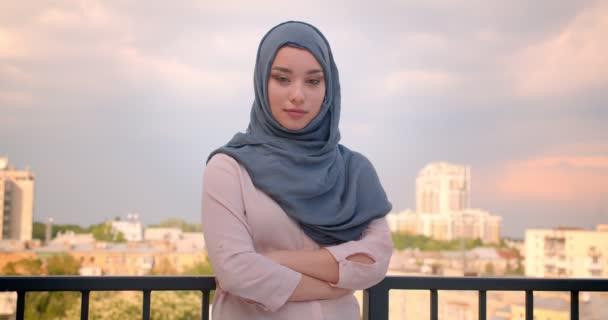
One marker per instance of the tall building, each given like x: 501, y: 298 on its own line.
x: 443, y: 207
x: 442, y: 187
x: 16, y: 202
x: 567, y: 253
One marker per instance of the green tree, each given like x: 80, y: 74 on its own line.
x: 200, y: 269
x: 62, y: 264
x: 29, y: 267
x: 47, y: 305
x: 489, y: 268
x: 104, y: 232
x: 180, y: 224
x: 406, y: 240
x: 38, y: 231
x: 163, y: 267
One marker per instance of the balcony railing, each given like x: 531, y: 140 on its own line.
x: 375, y: 299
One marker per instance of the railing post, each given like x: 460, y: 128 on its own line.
x: 529, y: 305
x: 20, y: 305
x: 84, y: 305
x: 573, y: 305
x: 434, y: 305
x: 375, y: 302
x: 205, y: 306
x: 146, y: 305
x: 482, y: 305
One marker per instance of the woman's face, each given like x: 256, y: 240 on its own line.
x: 296, y: 87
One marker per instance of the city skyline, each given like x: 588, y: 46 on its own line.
x: 115, y: 107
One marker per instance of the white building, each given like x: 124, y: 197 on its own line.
x: 442, y: 187
x: 132, y: 228
x: 70, y: 238
x: 468, y: 223
x: 568, y: 253
x: 182, y: 241
x: 158, y: 234
x: 16, y: 202
x: 443, y: 193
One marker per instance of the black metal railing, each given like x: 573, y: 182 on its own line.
x: 86, y: 284
x: 375, y: 299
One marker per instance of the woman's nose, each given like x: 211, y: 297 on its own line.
x: 296, y: 94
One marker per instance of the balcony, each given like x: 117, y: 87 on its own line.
x: 375, y: 299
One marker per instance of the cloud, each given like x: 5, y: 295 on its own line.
x: 582, y: 178
x: 570, y: 61
x: 417, y: 82
x: 11, y: 44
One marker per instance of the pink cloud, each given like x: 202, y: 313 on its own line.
x: 550, y: 178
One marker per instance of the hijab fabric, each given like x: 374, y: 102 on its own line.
x: 331, y: 191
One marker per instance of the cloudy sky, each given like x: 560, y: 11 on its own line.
x: 115, y: 105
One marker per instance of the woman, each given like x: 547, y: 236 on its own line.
x: 293, y: 221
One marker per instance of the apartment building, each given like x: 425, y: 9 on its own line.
x: 16, y: 202
x: 567, y: 253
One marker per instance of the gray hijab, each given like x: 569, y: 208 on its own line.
x: 331, y: 191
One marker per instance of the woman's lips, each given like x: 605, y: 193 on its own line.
x: 295, y: 113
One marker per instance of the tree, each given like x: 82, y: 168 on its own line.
x: 489, y: 269
x: 180, y: 224
x: 30, y: 267
x: 38, y: 231
x: 163, y: 267
x: 62, y: 264
x: 104, y: 232
x: 47, y: 305
x: 200, y: 269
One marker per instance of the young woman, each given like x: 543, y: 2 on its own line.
x: 293, y: 221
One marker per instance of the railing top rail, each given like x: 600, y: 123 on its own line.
x: 106, y: 283
x: 141, y: 283
x: 493, y: 284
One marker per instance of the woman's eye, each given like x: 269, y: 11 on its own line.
x: 281, y: 79
x: 314, y: 81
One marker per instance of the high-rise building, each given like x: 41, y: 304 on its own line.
x: 442, y: 187
x: 16, y: 202
x: 568, y: 253
x: 443, y: 207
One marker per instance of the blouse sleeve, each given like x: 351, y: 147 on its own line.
x: 376, y: 243
x: 240, y: 270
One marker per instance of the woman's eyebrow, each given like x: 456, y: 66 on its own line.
x: 282, y: 69
x: 289, y: 71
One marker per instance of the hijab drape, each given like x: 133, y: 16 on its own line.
x: 331, y: 191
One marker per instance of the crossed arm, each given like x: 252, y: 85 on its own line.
x: 273, y: 278
x: 319, y: 269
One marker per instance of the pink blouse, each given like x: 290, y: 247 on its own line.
x: 240, y: 222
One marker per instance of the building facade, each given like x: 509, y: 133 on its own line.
x: 16, y: 202
x: 567, y: 253
x: 132, y: 229
x: 442, y: 187
x: 467, y: 224
x: 443, y: 207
